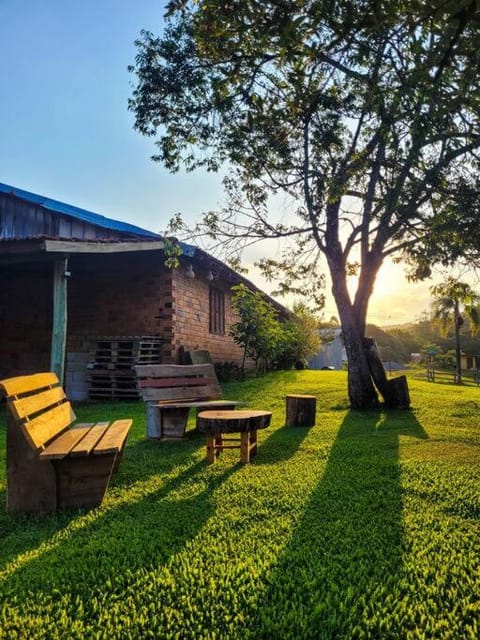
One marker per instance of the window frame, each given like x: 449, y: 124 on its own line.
x: 216, y: 311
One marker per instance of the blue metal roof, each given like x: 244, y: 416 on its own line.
x: 76, y: 212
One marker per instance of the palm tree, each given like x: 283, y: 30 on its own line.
x: 453, y: 300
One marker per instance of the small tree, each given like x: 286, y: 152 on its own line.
x: 258, y: 331
x: 452, y: 298
x: 301, y: 338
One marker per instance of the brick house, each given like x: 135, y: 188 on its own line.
x: 70, y: 276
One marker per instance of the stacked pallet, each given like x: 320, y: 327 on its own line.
x: 111, y: 364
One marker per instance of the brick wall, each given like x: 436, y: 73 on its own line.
x: 25, y: 318
x: 191, y: 317
x: 118, y: 295
x: 129, y: 294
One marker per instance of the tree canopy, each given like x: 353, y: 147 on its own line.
x: 364, y: 114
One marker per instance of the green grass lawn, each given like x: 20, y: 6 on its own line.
x: 364, y: 526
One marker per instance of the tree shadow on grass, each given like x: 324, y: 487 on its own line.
x: 338, y: 568
x: 281, y: 444
x: 106, y: 552
x: 143, y: 461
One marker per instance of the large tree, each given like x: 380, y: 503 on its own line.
x: 364, y: 113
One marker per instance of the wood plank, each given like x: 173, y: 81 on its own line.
x: 46, y: 426
x: 172, y: 370
x: 24, y: 407
x: 199, y: 404
x: 209, y: 392
x: 158, y: 383
x: 64, y: 246
x: 114, y: 438
x: 24, y: 384
x: 85, y: 446
x: 61, y: 446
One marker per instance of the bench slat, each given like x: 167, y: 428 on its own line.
x: 61, y: 446
x: 24, y: 384
x: 158, y: 383
x: 173, y: 370
x: 24, y: 407
x: 86, y: 444
x: 47, y: 425
x: 199, y: 404
x: 208, y: 392
x: 114, y: 438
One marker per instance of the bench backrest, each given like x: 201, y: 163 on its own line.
x: 37, y: 403
x: 164, y: 382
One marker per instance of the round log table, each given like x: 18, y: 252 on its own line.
x: 214, y: 424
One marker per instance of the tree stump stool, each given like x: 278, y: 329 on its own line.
x: 300, y: 411
x: 217, y: 423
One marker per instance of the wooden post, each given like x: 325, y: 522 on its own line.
x: 300, y: 411
x: 59, y: 324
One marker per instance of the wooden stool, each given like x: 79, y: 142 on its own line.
x: 217, y: 423
x: 300, y: 411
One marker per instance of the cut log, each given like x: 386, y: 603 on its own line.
x: 398, y: 396
x: 395, y: 392
x: 217, y: 422
x: 300, y: 411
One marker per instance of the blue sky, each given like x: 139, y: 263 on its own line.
x: 65, y: 128
x: 66, y: 132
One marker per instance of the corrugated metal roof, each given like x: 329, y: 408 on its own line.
x: 76, y: 212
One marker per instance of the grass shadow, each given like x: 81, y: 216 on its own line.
x: 147, y: 471
x: 338, y: 568
x: 132, y: 533
x: 281, y: 444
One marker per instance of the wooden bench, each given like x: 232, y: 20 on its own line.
x: 171, y: 390
x: 52, y: 463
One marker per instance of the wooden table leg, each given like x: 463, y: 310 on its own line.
x: 245, y: 447
x: 253, y: 443
x: 211, y: 453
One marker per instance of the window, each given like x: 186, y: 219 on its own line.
x: 217, y: 311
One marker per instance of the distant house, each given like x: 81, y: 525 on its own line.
x: 71, y: 277
x: 469, y: 361
x: 332, y: 353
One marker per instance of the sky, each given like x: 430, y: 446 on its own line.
x: 66, y: 132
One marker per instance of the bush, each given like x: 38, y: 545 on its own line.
x: 228, y: 371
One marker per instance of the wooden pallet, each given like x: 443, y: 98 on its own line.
x: 111, y: 364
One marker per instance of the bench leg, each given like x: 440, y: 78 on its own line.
x: 31, y: 484
x: 154, y: 422
x: 174, y: 422
x: 166, y: 423
x: 82, y: 482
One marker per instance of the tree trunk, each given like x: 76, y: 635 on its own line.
x: 458, y: 353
